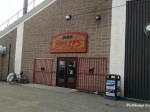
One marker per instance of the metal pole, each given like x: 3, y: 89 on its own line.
x: 25, y: 7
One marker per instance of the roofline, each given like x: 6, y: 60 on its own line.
x: 27, y: 16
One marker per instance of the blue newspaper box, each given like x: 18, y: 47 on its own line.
x: 112, y: 89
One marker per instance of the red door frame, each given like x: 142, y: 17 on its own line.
x: 66, y: 82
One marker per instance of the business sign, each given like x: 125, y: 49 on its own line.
x: 69, y: 42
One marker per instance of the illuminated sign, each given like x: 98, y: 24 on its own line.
x: 69, y: 42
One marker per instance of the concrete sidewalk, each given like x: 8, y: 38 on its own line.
x: 52, y: 88
x: 40, y: 98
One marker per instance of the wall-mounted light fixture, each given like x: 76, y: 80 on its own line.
x: 147, y: 29
x: 68, y: 17
x: 98, y: 18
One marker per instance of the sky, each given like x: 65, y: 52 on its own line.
x: 10, y: 7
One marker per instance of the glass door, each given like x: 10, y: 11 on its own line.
x: 61, y: 72
x: 71, y: 73
x: 66, y: 72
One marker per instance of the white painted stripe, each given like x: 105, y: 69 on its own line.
x: 117, y: 47
x: 18, y: 51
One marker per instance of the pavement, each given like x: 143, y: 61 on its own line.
x: 40, y: 98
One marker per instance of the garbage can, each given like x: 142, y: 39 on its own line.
x: 112, y: 89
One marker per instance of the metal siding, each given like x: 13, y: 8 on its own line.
x: 137, y: 53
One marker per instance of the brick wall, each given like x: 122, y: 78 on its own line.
x: 51, y: 21
x: 6, y: 40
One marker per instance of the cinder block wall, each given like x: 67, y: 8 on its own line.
x: 7, y: 40
x: 51, y: 21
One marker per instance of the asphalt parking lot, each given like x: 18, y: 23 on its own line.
x: 37, y: 98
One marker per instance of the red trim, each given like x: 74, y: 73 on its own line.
x: 34, y: 71
x: 77, y: 82
x: 88, y: 80
x: 43, y: 77
x: 42, y: 58
x: 51, y: 72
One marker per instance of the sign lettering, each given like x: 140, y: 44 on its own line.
x: 69, y: 42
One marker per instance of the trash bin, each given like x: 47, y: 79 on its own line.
x: 112, y: 89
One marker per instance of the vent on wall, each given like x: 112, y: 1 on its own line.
x: 2, y: 50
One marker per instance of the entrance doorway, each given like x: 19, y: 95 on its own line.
x: 66, y: 72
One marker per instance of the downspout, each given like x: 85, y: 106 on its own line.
x: 8, y: 69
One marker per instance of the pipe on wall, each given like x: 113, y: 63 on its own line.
x: 25, y: 7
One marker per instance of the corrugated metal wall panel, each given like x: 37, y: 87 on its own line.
x: 137, y: 54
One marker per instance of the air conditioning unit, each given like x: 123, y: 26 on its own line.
x: 2, y: 50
